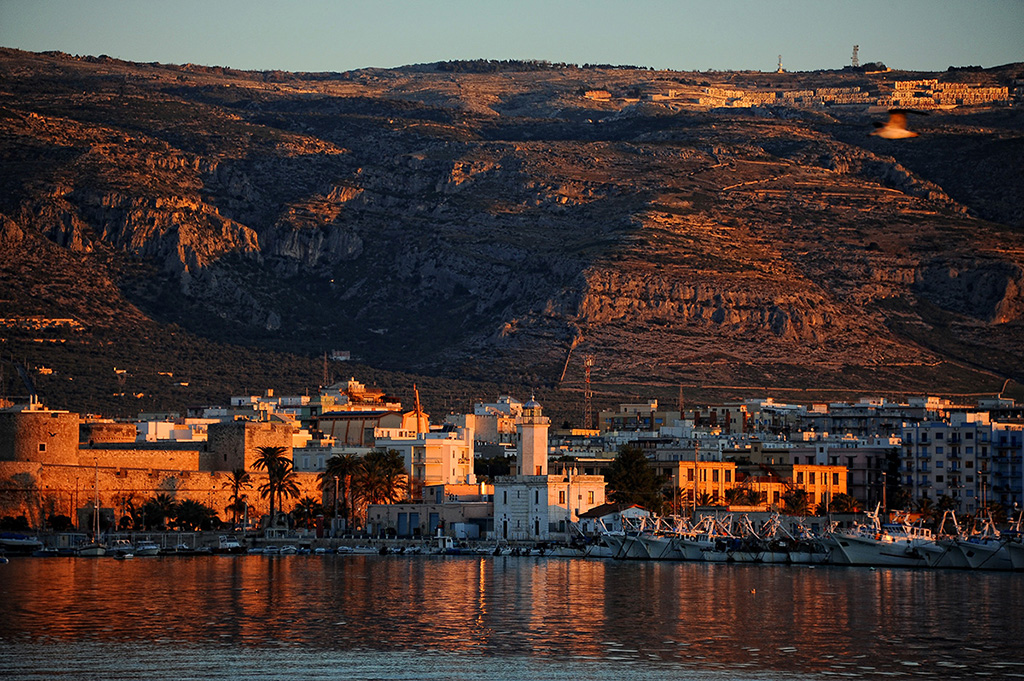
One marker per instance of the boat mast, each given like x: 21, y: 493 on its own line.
x: 96, y: 501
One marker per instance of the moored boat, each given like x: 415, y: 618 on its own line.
x: 882, y: 544
x: 147, y: 548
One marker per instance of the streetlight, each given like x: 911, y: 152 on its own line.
x: 885, y: 506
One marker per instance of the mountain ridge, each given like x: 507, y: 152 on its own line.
x: 496, y: 227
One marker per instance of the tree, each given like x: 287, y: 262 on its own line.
x: 381, y: 478
x: 844, y: 503
x: 306, y: 511
x: 741, y: 496
x: 796, y: 502
x: 237, y: 481
x: 342, y: 467
x: 632, y: 480
x: 276, y: 464
x: 926, y: 507
x: 158, y: 509
x: 190, y: 515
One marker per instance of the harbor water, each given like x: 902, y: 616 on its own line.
x: 436, y: 617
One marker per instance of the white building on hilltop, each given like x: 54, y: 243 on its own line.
x: 533, y: 505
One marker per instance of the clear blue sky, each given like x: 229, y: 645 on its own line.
x: 318, y: 35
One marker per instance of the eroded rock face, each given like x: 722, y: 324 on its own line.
x: 493, y: 222
x: 986, y: 291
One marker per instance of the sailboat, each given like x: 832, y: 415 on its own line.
x: 95, y: 547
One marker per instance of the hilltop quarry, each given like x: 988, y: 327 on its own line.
x: 741, y: 229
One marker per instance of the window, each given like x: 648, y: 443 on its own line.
x: 42, y: 446
x: 728, y: 476
x: 810, y: 477
x: 538, y: 471
x: 536, y: 496
x: 969, y: 463
x: 590, y: 497
x: 800, y: 478
x: 504, y: 497
x: 968, y: 436
x: 689, y: 474
x: 835, y: 479
x: 970, y: 478
x: 776, y: 495
x: 939, y: 478
x: 561, y: 496
x: 939, y: 436
x: 939, y: 450
x: 714, y: 475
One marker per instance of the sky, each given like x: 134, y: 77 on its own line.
x: 686, y: 35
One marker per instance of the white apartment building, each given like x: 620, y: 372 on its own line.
x: 967, y: 458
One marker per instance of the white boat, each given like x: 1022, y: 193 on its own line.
x: 92, y: 549
x: 944, y: 552
x: 121, y: 548
x: 706, y: 542
x: 877, y: 544
x: 289, y: 550
x: 228, y: 544
x: 147, y: 548
x: 1016, y: 550
x: 13, y: 543
x: 599, y: 549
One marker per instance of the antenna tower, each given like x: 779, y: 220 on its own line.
x: 855, y: 60
x: 780, y: 70
x: 588, y: 411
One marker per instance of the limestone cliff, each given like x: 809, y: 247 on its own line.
x: 491, y: 225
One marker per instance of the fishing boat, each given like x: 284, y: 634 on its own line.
x: 707, y: 541
x: 984, y: 548
x: 878, y: 544
x: 944, y: 552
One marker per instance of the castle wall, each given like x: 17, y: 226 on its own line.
x: 38, y: 490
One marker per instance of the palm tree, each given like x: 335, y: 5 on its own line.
x: 274, y: 461
x: 191, y: 515
x: 844, y: 503
x: 238, y: 480
x: 380, y: 479
x: 287, y: 484
x: 306, y: 510
x: 342, y: 467
x: 796, y: 502
x: 926, y: 507
x: 158, y: 509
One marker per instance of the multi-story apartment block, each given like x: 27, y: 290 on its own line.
x: 966, y: 458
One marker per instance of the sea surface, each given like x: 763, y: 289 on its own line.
x: 435, y: 617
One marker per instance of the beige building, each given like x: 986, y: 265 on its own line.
x: 432, y: 457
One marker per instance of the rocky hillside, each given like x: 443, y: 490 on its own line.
x: 499, y: 226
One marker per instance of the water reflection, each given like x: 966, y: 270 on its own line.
x: 733, y: 619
